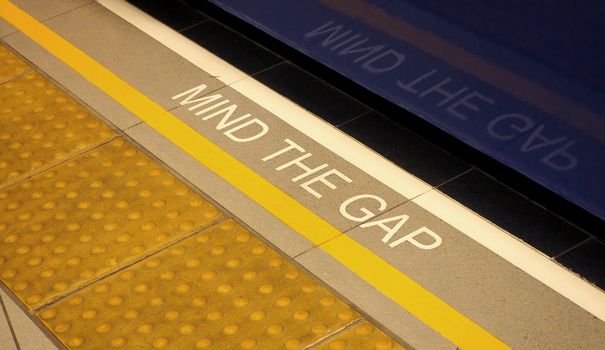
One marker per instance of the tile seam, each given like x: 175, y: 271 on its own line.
x: 123, y: 131
x: 344, y: 232
x: 337, y: 126
x: 88, y: 283
x: 574, y: 247
x: 232, y: 30
x: 2, y: 82
x: 9, y: 33
x: 251, y: 75
x: 346, y: 122
x: 90, y: 2
x: 327, y: 337
x: 445, y: 182
x: 190, y: 26
x: 43, y: 169
x: 16, y: 31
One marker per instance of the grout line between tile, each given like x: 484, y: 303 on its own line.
x: 132, y: 126
x: 326, y: 338
x: 191, y: 26
x: 155, y: 251
x: 265, y: 69
x: 9, y: 33
x: 221, y: 24
x: 445, y: 182
x: 90, y: 2
x: 577, y: 245
x: 323, y: 81
x: 16, y: 76
x: 10, y: 325
x: 59, y: 162
x: 16, y: 31
x: 338, y: 126
x: 358, y: 224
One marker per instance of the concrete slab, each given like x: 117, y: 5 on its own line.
x: 29, y: 335
x: 109, y: 109
x: 144, y: 63
x: 240, y: 206
x: 271, y: 154
x: 504, y: 300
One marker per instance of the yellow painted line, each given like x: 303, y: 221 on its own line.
x: 393, y: 283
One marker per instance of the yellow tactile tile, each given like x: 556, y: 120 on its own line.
x: 10, y: 64
x: 40, y: 124
x: 88, y: 216
x: 364, y: 336
x: 219, y: 289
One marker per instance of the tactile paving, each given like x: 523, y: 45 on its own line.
x: 40, y: 125
x: 88, y: 216
x: 219, y: 289
x: 363, y: 336
x: 10, y: 64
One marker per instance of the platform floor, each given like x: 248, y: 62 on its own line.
x: 157, y: 194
